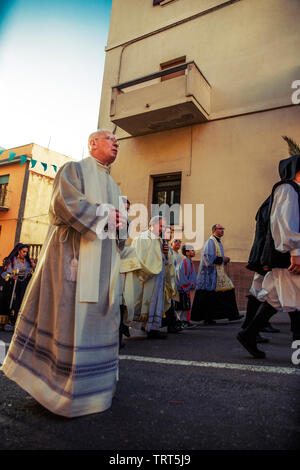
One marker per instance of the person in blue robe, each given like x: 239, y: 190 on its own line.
x: 215, y: 294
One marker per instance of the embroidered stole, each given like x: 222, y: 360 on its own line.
x: 223, y: 281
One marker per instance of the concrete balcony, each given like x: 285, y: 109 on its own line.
x: 176, y: 102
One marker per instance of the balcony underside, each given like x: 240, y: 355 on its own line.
x: 171, y: 117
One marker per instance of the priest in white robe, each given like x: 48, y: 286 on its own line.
x: 149, y: 278
x: 64, y: 351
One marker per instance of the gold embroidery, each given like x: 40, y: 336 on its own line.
x: 223, y: 281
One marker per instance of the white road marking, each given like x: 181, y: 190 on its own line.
x: 217, y: 365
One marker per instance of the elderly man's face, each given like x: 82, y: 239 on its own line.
x: 176, y: 244
x: 104, y: 147
x: 219, y: 231
x: 162, y: 227
x: 159, y: 227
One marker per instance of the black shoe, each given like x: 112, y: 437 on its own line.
x: 8, y: 327
x: 247, y: 337
x: 269, y: 329
x: 261, y: 339
x: 174, y: 329
x: 210, y: 322
x: 250, y: 345
x: 125, y: 330
x: 156, y: 334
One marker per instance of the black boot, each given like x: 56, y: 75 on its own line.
x: 121, y: 344
x: 125, y: 330
x: 247, y: 337
x: 252, y: 306
x: 261, y: 339
x: 295, y: 324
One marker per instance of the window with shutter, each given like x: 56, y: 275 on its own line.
x: 166, y: 190
x: 3, y: 189
x: 173, y: 63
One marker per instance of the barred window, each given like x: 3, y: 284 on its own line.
x: 3, y: 189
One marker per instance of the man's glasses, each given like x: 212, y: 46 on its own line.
x: 113, y: 139
x: 110, y: 137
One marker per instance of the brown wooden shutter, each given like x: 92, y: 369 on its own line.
x: 172, y: 63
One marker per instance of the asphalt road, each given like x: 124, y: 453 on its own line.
x: 197, y: 390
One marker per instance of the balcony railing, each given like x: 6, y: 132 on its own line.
x: 168, y: 104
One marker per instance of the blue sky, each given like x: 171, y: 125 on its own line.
x: 51, y: 67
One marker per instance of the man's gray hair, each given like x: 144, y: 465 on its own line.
x: 98, y: 131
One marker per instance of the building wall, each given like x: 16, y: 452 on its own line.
x: 40, y: 185
x: 230, y: 167
x: 36, y: 220
x: 36, y: 198
x: 248, y: 51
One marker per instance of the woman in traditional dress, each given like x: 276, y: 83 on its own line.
x: 16, y: 273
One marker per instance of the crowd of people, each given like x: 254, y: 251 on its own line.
x: 170, y: 289
x: 88, y: 288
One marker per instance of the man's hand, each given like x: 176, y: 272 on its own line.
x: 226, y: 259
x: 295, y: 265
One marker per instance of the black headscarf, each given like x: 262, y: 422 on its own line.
x: 289, y: 167
x: 14, y: 253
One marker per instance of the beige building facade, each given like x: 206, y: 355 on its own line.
x: 200, y: 93
x: 27, y: 181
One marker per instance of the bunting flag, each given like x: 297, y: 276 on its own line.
x: 33, y: 162
x: 11, y: 156
x: 23, y: 159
